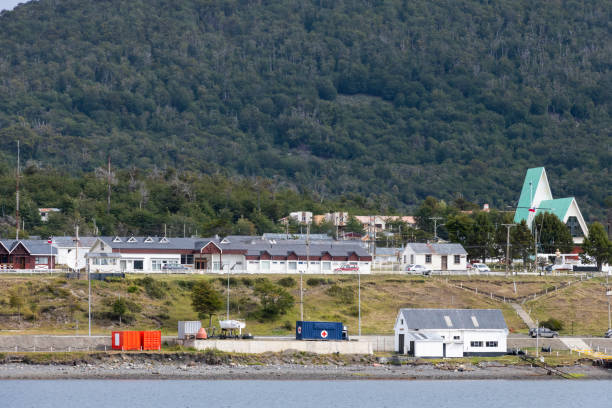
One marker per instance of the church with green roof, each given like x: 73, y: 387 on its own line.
x: 536, y: 198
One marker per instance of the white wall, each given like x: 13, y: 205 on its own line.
x: 66, y: 256
x: 436, y: 261
x: 295, y: 267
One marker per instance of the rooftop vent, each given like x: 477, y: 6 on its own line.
x: 448, y: 321
x: 148, y: 240
x: 132, y: 239
x: 116, y: 239
x: 475, y: 321
x: 164, y: 240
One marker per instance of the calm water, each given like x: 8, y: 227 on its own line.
x: 296, y: 394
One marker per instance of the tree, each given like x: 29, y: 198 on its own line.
x: 205, y: 300
x: 353, y: 225
x: 553, y: 234
x: 597, y: 245
x: 521, y: 242
x: 120, y: 308
x: 274, y: 300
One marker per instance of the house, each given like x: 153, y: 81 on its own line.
x: 27, y: 254
x: 44, y: 213
x: 71, y: 254
x: 238, y: 254
x: 437, y: 257
x: 379, y: 223
x: 450, y: 332
x: 536, y: 198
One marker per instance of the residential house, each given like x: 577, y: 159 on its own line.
x: 27, y: 254
x: 437, y: 257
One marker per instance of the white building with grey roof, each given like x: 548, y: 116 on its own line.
x: 238, y: 254
x: 450, y: 332
x: 436, y: 257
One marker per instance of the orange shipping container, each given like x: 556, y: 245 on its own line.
x: 150, y: 340
x: 126, y: 340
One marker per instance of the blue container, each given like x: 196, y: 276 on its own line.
x: 318, y: 330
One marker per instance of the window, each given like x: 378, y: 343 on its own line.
x: 186, y: 259
x: 326, y: 266
x: 457, y: 259
x: 264, y: 265
x: 412, y: 259
x: 476, y: 343
x: 42, y: 260
x: 428, y: 258
x: 101, y: 246
x: 292, y: 266
x: 96, y: 261
x: 103, y: 261
x: 3, y: 258
x: 491, y: 344
x: 404, y: 258
x: 139, y: 265
x: 456, y: 337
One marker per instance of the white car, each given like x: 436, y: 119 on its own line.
x: 480, y: 267
x: 416, y: 269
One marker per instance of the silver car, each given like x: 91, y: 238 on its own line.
x: 418, y: 269
x: 543, y: 332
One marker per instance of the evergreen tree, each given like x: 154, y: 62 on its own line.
x: 597, y: 245
x: 205, y: 300
x: 553, y: 234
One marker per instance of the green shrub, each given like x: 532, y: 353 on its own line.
x: 233, y: 282
x: 185, y: 284
x: 345, y: 295
x: 288, y: 325
x: 133, y: 289
x: 287, y: 282
x: 552, y: 324
x: 247, y: 282
x: 317, y: 281
x: 155, y: 289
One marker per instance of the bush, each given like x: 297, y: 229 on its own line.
x: 133, y: 289
x: 552, y: 324
x: 185, y: 284
x: 287, y: 282
x: 274, y: 300
x: 155, y: 289
x: 247, y: 282
x: 316, y: 281
x: 288, y: 325
x: 233, y: 282
x: 341, y: 294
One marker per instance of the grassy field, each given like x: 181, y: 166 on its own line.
x: 54, y: 304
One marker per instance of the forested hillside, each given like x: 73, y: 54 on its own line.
x: 400, y: 99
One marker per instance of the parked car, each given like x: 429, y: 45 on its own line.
x: 608, y: 334
x: 543, y: 332
x: 480, y: 267
x: 173, y: 267
x: 418, y: 269
x: 347, y: 268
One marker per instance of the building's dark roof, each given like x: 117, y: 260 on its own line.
x: 439, y: 249
x: 458, y: 319
x: 154, y: 242
x: 311, y: 237
x: 67, y: 241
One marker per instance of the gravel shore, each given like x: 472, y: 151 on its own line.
x: 172, y: 370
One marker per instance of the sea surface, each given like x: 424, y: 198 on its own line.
x: 310, y: 394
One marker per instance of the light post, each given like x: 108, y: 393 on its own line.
x: 359, y: 297
x: 88, y: 297
x: 609, y: 295
x: 537, y: 338
x: 508, y: 226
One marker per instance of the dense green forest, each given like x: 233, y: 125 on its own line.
x: 390, y: 101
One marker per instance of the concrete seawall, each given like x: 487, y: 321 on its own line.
x: 46, y: 342
x: 263, y: 346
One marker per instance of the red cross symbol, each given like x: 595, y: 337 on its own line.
x: 299, y: 329
x: 324, y: 334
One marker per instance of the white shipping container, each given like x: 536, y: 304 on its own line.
x: 187, y: 329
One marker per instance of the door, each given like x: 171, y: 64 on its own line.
x: 444, y: 350
x: 123, y: 265
x: 401, y: 344
x: 444, y: 262
x: 200, y: 263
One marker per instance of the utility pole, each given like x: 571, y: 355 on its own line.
x: 88, y: 297
x: 108, y: 196
x: 17, y: 195
x: 508, y: 226
x: 435, y: 220
x: 76, y: 252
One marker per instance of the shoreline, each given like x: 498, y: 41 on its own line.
x: 287, y: 372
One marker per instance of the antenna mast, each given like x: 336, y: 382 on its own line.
x: 109, y: 187
x: 17, y: 194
